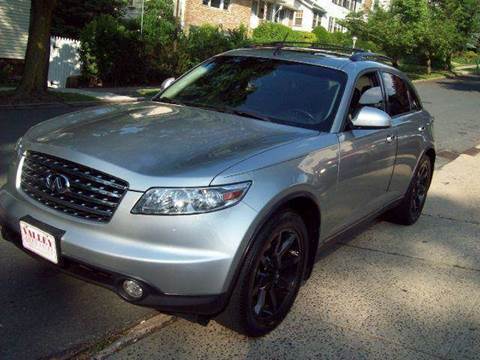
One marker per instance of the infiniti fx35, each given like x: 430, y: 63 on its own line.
x: 214, y: 198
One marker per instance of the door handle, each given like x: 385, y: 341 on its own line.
x: 390, y: 138
x: 421, y: 128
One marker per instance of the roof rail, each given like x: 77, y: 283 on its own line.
x: 328, y: 48
x: 364, y: 56
x: 355, y: 54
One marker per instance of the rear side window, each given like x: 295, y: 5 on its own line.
x: 414, y: 101
x: 397, y: 94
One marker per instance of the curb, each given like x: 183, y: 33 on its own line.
x: 110, y: 344
x: 143, y: 329
x: 433, y: 79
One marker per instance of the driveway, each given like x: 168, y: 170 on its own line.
x: 386, y: 292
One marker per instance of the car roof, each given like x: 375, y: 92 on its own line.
x: 330, y: 59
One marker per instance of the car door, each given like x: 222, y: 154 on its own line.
x: 408, y: 116
x: 367, y: 158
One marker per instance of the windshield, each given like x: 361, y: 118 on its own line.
x: 265, y: 89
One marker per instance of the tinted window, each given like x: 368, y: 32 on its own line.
x: 278, y: 91
x: 397, y: 94
x: 414, y: 101
x: 367, y: 92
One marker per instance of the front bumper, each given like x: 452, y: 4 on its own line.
x: 206, y: 305
x: 187, y: 262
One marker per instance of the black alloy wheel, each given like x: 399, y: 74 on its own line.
x: 276, y: 276
x: 411, y: 206
x: 420, y: 187
x: 270, y: 277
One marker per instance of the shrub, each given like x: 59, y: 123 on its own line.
x: 322, y: 35
x: 159, y: 35
x: 302, y: 36
x: 270, y: 32
x: 111, y: 52
x: 239, y: 37
x: 205, y: 41
x: 467, y: 57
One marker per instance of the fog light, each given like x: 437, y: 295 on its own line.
x: 133, y: 289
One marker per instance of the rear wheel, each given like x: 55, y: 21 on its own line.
x: 410, y: 209
x: 270, y: 277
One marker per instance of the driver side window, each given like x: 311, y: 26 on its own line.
x: 367, y: 92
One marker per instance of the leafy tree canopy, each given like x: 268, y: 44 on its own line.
x: 424, y: 28
x: 71, y: 16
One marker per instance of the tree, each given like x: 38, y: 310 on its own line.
x: 34, y: 79
x: 428, y: 29
x: 73, y: 15
x: 384, y: 28
x: 465, y: 15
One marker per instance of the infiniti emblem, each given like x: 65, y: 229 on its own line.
x: 57, y: 183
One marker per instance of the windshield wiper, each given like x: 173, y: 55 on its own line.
x: 168, y: 101
x: 227, y: 110
x: 249, y: 114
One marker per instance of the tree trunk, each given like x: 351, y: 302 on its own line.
x: 35, y: 73
x: 448, y: 62
x: 395, y: 61
x: 429, y: 64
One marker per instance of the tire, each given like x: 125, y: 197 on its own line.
x: 410, y: 209
x: 270, y: 277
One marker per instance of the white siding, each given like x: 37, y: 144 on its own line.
x: 14, y: 22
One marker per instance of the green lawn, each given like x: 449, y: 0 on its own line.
x: 419, y: 72
x: 148, y: 93
x: 8, y: 97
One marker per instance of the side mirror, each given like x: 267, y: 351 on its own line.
x: 166, y: 83
x: 372, y: 96
x: 370, y: 117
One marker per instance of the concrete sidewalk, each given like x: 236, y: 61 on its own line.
x: 105, y: 96
x: 391, y: 292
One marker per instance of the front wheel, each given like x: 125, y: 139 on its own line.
x: 270, y: 277
x: 410, y: 209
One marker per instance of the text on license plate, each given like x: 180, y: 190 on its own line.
x: 39, y: 242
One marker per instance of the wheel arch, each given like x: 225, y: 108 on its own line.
x: 306, y: 205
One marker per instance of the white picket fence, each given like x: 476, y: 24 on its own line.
x: 64, y: 60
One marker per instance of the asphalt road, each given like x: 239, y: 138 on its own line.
x: 43, y: 312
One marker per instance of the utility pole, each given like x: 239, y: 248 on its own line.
x: 141, y: 17
x: 177, y: 24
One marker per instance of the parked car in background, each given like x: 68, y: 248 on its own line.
x: 215, y: 197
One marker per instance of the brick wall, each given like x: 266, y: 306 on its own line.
x: 198, y: 14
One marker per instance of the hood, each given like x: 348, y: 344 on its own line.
x: 151, y: 144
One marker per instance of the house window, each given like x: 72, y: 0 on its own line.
x: 317, y: 17
x: 220, y: 4
x: 331, y: 23
x: 261, y: 10
x: 269, y: 12
x: 298, y: 18
x: 255, y: 7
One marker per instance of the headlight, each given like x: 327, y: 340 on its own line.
x: 19, y: 147
x: 162, y: 201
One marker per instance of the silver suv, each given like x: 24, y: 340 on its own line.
x: 214, y: 198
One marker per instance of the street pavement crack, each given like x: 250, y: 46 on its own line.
x: 453, y: 219
x: 392, y: 253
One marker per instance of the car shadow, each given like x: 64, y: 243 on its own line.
x: 466, y: 83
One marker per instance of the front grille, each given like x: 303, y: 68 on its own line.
x: 91, y: 194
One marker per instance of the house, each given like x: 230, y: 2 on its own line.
x: 14, y: 23
x: 302, y: 15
